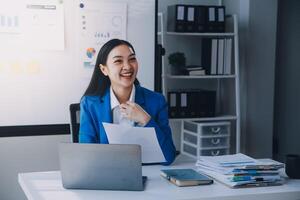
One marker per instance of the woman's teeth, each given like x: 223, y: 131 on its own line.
x: 127, y: 74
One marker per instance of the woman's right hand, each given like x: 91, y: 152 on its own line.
x: 135, y: 112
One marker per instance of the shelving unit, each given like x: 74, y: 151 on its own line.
x: 232, y: 26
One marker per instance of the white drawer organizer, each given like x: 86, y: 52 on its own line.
x: 205, y: 139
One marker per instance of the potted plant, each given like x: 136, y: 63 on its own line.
x: 177, y: 61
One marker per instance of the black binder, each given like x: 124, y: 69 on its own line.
x: 190, y: 18
x: 215, y: 19
x: 176, y: 21
x: 206, y: 50
x: 206, y: 103
x: 211, y: 19
x: 209, y: 55
x: 200, y: 19
x: 192, y: 104
x: 173, y: 101
x: 179, y: 105
x: 220, y: 26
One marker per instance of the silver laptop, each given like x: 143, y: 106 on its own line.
x: 101, y: 166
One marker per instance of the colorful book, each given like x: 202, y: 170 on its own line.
x: 185, y: 177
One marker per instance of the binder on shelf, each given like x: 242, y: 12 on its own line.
x: 228, y: 56
x: 176, y: 20
x: 206, y: 103
x: 190, y: 20
x: 209, y: 57
x: 183, y: 104
x: 220, y: 56
x: 214, y: 56
x: 194, y: 18
x: 192, y: 104
x: 173, y: 104
x: 178, y: 104
x: 200, y: 19
x: 216, y: 19
x: 211, y: 19
x: 220, y: 19
x: 206, y: 50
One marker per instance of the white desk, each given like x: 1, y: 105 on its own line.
x: 47, y: 185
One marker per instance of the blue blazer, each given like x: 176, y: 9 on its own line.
x: 94, y: 110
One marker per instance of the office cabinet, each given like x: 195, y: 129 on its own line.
x: 205, y: 138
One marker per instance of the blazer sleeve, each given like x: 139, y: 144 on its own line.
x: 87, y: 129
x: 163, y: 131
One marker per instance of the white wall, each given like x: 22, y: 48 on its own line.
x: 257, y: 31
x: 26, y: 154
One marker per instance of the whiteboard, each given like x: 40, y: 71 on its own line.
x: 38, y: 81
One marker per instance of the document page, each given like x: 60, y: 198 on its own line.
x: 232, y: 160
x: 146, y: 137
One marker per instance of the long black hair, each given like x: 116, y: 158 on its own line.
x: 99, y: 82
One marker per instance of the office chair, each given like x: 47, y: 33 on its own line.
x: 75, y: 121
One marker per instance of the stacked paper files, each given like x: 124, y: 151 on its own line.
x: 239, y: 170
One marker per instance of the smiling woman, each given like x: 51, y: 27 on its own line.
x: 114, y: 95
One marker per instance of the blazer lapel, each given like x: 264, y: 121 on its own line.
x: 105, y: 115
x: 105, y: 108
x: 139, y: 96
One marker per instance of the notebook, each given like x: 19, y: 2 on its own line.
x: 101, y: 166
x: 185, y: 177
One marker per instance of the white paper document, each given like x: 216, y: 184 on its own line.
x: 144, y: 136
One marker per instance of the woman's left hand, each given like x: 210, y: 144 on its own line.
x: 135, y: 112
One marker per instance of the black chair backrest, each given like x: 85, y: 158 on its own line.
x: 75, y: 121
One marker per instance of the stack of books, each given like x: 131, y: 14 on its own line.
x: 195, y: 70
x: 239, y: 170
